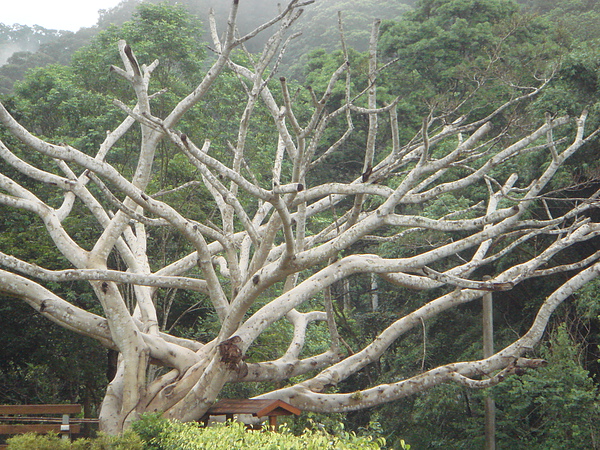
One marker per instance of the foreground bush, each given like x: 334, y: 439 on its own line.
x: 33, y: 441
x: 154, y: 433
x: 160, y: 434
x: 234, y: 436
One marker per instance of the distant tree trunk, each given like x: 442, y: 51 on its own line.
x: 374, y: 293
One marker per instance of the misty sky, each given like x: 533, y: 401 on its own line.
x: 53, y: 14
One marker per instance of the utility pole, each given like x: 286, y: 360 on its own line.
x: 488, y: 350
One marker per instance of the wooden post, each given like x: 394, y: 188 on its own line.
x: 273, y: 423
x: 488, y: 350
x: 65, y: 428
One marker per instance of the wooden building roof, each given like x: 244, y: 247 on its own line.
x: 255, y: 407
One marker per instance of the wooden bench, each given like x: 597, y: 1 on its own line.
x: 19, y: 419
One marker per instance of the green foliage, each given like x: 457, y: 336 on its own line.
x: 41, y: 442
x: 588, y: 301
x: 319, y: 25
x: 448, y: 49
x: 35, y: 47
x: 55, y: 105
x: 150, y: 427
x: 19, y: 45
x: 160, y: 434
x: 575, y: 86
x: 29, y: 441
x: 549, y: 6
x: 578, y: 18
x: 440, y: 35
x: 164, y: 32
x: 554, y: 407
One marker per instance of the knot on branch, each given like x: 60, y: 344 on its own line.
x: 519, y: 366
x: 232, y: 356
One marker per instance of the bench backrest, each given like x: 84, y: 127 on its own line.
x: 34, y: 419
x: 8, y: 410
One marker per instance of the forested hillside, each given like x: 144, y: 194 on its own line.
x: 15, y: 38
x: 440, y: 113
x: 23, y: 47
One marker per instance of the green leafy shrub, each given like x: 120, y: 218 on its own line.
x: 553, y: 407
x: 152, y: 432
x: 29, y: 441
x: 160, y: 434
x: 150, y: 427
x: 39, y: 442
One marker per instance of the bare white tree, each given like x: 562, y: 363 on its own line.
x: 270, y: 257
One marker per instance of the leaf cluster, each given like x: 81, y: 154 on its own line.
x: 160, y: 434
x: 128, y: 441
